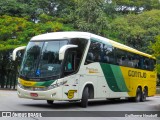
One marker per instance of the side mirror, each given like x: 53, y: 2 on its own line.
x: 14, y: 54
x: 63, y: 50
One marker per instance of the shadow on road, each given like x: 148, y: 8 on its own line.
x: 71, y: 105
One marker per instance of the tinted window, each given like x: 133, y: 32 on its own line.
x: 152, y: 64
x: 74, y: 56
x: 109, y: 54
x: 122, y: 58
x: 146, y: 64
x: 99, y: 52
x: 70, y: 61
x: 133, y: 60
x: 94, y: 52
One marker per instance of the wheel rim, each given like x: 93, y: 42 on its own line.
x: 144, y: 95
x: 138, y: 96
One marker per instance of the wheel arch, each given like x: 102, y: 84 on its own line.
x: 140, y: 86
x: 135, y: 90
x: 146, y: 87
x: 91, y: 90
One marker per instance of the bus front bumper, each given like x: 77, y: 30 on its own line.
x: 53, y: 94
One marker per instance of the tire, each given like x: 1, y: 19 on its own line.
x: 144, y: 95
x: 138, y: 95
x: 84, y: 100
x: 50, y: 102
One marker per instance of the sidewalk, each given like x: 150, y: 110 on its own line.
x: 8, y: 89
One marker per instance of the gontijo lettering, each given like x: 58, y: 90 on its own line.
x: 133, y: 73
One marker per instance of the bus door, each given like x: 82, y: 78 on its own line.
x: 70, y: 89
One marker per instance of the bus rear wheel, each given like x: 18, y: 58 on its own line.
x: 144, y: 95
x: 138, y: 95
x: 50, y: 102
x: 84, y: 100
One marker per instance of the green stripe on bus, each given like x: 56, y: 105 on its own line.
x: 46, y: 83
x: 119, y: 78
x: 114, y: 77
x: 109, y: 76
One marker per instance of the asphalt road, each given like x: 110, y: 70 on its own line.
x: 9, y: 101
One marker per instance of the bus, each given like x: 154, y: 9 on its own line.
x: 78, y: 66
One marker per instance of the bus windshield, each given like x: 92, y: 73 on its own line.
x: 41, y: 59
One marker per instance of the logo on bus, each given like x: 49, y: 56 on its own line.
x: 92, y: 70
x: 70, y: 93
x: 133, y: 73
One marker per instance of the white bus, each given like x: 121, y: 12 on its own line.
x: 77, y: 66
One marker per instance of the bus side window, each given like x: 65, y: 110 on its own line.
x: 133, y: 60
x: 146, y: 64
x: 152, y: 64
x: 109, y: 56
x: 122, y: 58
x: 79, y: 50
x: 140, y: 63
x: 69, y: 65
x: 90, y: 58
x: 94, y: 53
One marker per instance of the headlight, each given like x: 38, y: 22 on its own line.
x: 20, y: 85
x: 55, y: 85
x: 52, y: 86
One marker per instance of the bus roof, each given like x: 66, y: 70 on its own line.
x: 61, y: 35
x: 86, y: 35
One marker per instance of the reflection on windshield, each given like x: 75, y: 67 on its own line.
x: 41, y: 59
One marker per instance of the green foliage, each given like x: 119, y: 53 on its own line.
x: 17, y: 31
x: 137, y: 6
x: 132, y: 22
x: 156, y: 46
x: 158, y: 68
x: 137, y: 30
x: 88, y: 15
x: 17, y: 8
x: 97, y: 16
x: 30, y: 8
x: 156, y: 51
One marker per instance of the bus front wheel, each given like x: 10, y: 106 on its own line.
x: 84, y: 100
x: 50, y: 102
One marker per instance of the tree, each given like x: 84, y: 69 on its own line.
x: 155, y: 47
x: 88, y: 15
x: 136, y: 30
x: 16, y: 31
x: 30, y: 8
x: 17, y: 8
x: 136, y: 6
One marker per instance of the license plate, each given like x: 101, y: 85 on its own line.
x: 34, y: 94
